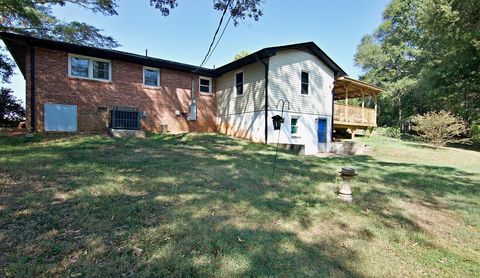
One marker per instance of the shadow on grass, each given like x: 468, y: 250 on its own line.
x: 196, y: 205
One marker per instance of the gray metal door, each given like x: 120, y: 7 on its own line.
x: 60, y: 117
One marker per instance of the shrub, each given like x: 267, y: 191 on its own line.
x: 475, y: 131
x: 389, y: 131
x: 439, y: 128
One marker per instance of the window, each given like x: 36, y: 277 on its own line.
x: 101, y: 70
x: 205, y: 84
x: 294, y: 125
x: 304, y: 89
x: 79, y: 67
x: 90, y: 68
x: 151, y: 77
x: 239, y: 83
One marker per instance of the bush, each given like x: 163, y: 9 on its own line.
x: 439, y: 128
x: 475, y: 131
x: 389, y: 131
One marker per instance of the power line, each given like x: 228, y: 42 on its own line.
x: 214, y: 36
x: 219, y: 38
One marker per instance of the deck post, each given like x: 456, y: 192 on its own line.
x: 346, y: 103
x: 375, y: 101
x: 363, y: 105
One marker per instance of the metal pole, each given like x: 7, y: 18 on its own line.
x: 278, y: 137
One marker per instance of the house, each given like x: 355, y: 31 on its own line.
x: 79, y: 88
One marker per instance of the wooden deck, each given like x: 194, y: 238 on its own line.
x: 351, y: 116
x: 354, y: 117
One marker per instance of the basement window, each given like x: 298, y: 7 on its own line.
x: 205, y: 85
x: 151, y: 77
x: 305, y: 83
x: 89, y: 67
x: 239, y: 83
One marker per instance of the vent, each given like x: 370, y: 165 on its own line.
x: 125, y: 118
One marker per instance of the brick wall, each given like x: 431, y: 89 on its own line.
x: 94, y: 99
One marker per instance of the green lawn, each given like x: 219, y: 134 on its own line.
x: 206, y: 205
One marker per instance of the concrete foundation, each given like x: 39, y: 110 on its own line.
x: 120, y: 133
x: 349, y: 148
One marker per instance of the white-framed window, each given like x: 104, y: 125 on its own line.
x: 151, y: 77
x: 89, y: 67
x: 294, y: 125
x: 238, y: 82
x: 205, y: 85
x: 305, y: 82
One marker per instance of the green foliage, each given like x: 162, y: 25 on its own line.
x: 241, y: 54
x: 389, y: 131
x: 475, y: 132
x: 426, y: 53
x: 7, y: 66
x: 239, y: 9
x: 36, y: 18
x: 11, y: 110
x: 439, y: 128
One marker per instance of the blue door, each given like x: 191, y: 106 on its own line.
x: 322, y: 130
x: 60, y: 117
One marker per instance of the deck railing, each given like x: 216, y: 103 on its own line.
x: 351, y: 115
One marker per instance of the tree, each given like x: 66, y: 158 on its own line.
x: 11, y: 110
x: 34, y: 17
x: 451, y: 54
x: 439, y: 128
x: 238, y: 9
x: 388, y: 59
x: 426, y: 53
x: 241, y: 54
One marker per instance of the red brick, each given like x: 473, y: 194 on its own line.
x: 53, y: 85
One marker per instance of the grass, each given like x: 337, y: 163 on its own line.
x: 206, y: 205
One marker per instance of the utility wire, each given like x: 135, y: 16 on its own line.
x: 219, y: 38
x: 214, y: 36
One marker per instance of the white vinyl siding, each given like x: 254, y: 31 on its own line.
x: 253, y: 98
x: 285, y: 82
x: 89, y: 67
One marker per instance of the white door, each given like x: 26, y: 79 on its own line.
x: 60, y: 117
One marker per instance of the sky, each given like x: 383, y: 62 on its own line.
x: 184, y: 36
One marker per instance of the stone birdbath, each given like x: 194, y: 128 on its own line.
x: 345, y: 193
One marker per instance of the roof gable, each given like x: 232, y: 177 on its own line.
x: 310, y: 47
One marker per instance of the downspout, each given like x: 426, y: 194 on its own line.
x: 32, y: 88
x: 266, y: 97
